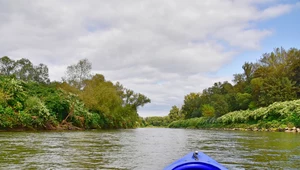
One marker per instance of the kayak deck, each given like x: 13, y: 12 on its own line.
x: 195, y: 161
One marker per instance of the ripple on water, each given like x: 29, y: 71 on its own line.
x: 146, y: 149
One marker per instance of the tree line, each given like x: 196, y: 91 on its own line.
x: 28, y: 99
x: 275, y: 77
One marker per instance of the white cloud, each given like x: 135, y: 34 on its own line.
x: 275, y: 11
x: 159, y: 48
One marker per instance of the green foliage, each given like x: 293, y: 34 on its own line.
x: 293, y: 67
x: 157, y: 121
x: 279, y: 111
x: 100, y: 96
x: 128, y: 97
x: 116, y: 106
x: 13, y: 93
x: 175, y: 113
x: 6, y: 66
x: 25, y: 119
x: 294, y: 118
x: 276, y: 89
x: 220, y: 104
x: 93, y: 121
x: 36, y: 107
x: 191, y: 104
x: 6, y: 117
x: 243, y: 99
x: 58, y: 105
x: 54, y: 99
x: 207, y: 110
x: 23, y: 69
x: 3, y: 98
x: 274, y: 78
x: 193, y: 123
x: 84, y: 102
x: 277, y: 115
x: 39, y: 112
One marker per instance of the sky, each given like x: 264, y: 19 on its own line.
x: 164, y: 49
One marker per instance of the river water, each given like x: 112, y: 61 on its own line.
x: 146, y: 149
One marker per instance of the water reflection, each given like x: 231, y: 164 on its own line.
x: 146, y: 149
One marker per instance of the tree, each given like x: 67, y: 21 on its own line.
x: 24, y: 70
x: 41, y: 74
x: 215, y: 89
x: 78, y: 73
x: 249, y: 69
x: 243, y: 100
x: 100, y: 96
x: 276, y: 62
x: 220, y: 105
x: 135, y: 99
x: 256, y: 86
x: 6, y: 66
x: 13, y: 89
x: 174, y: 113
x: 191, y: 103
x: 276, y: 90
x: 131, y: 98
x: 157, y: 121
x: 240, y: 82
x: 116, y: 105
x: 231, y: 101
x: 207, y: 110
x: 293, y: 64
x: 226, y: 88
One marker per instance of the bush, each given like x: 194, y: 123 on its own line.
x: 25, y: 119
x: 38, y: 111
x: 277, y: 115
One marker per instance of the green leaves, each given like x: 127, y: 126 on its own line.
x: 274, y: 78
x: 28, y: 99
x: 276, y: 89
x: 175, y: 113
x: 280, y: 111
x: 157, y: 121
x: 207, y: 110
x: 134, y: 99
x: 191, y: 104
x: 36, y: 107
x: 100, y: 96
x: 116, y: 105
x: 6, y: 66
x: 13, y: 93
x: 243, y: 100
x: 23, y: 69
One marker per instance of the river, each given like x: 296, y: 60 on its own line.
x: 146, y: 149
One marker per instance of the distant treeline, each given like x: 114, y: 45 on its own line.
x: 29, y: 100
x: 275, y: 77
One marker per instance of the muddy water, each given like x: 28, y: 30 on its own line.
x: 146, y: 149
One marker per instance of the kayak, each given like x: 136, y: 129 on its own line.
x: 195, y: 161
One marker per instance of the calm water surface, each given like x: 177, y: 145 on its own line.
x: 146, y: 149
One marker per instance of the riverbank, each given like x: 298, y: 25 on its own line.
x: 292, y: 130
x: 234, y: 127
x: 255, y: 129
x: 280, y: 116
x: 47, y: 127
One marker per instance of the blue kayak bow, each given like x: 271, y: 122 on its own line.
x: 195, y: 161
